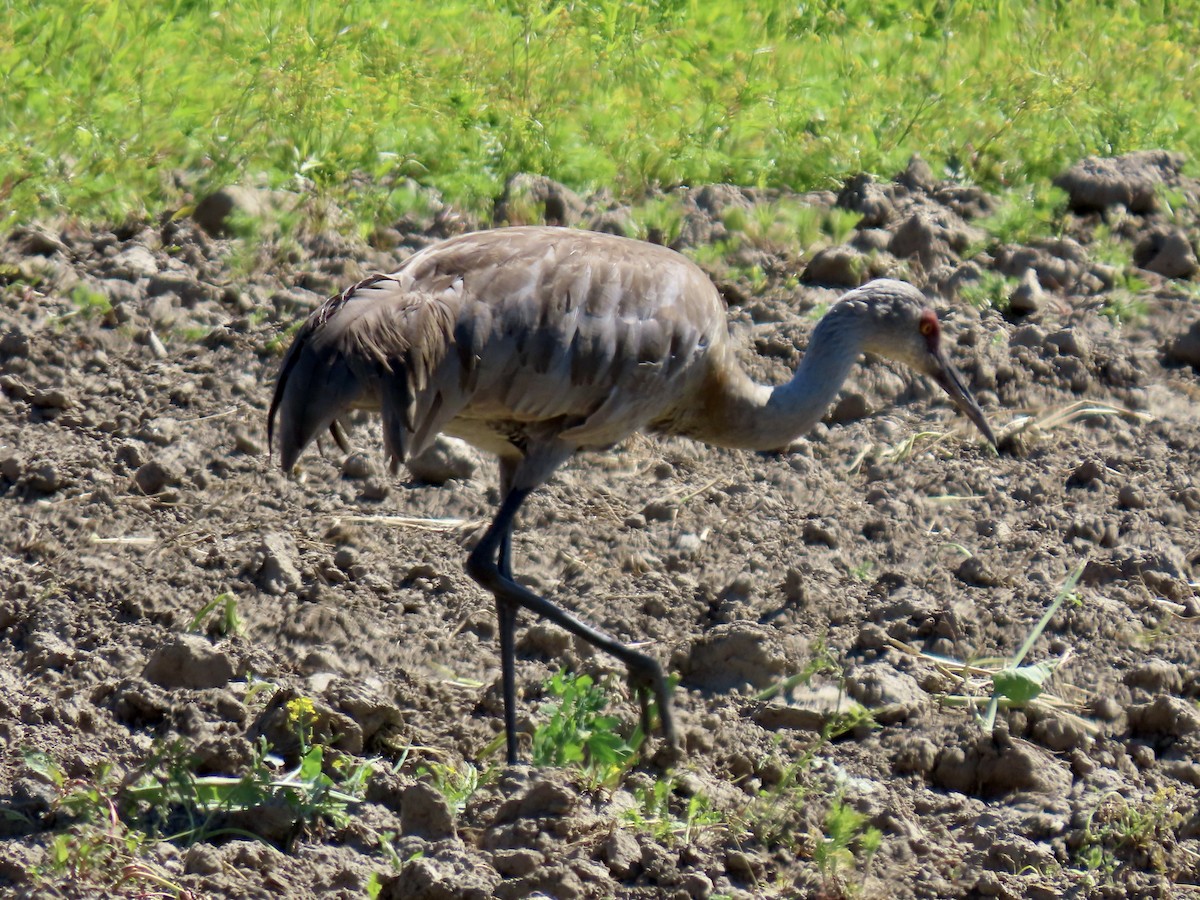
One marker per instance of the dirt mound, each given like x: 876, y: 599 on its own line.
x: 169, y: 599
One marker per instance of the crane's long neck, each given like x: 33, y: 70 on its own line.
x: 752, y: 416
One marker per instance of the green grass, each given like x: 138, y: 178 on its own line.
x: 118, y: 108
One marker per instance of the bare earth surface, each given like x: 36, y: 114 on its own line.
x: 135, y: 488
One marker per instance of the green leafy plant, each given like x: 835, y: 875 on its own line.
x: 306, y: 793
x: 1138, y: 833
x: 578, y: 732
x: 327, y: 102
x: 660, y: 219
x: 1124, y: 303
x: 1024, y: 217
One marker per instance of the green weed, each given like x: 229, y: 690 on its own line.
x: 659, y: 219
x: 1137, y: 833
x: 660, y: 813
x: 578, y: 733
x: 1023, y: 217
x: 1124, y: 303
x: 457, y: 784
x: 192, y: 807
x: 990, y: 291
x: 96, y: 849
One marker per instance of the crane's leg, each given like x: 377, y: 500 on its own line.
x: 506, y: 617
x: 490, y: 565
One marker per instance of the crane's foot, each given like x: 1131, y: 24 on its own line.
x: 647, y: 681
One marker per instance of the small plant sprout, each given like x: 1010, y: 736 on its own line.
x: 662, y: 814
x: 228, y: 622
x: 990, y: 291
x: 170, y: 791
x: 847, y: 840
x: 457, y: 783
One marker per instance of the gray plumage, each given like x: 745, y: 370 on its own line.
x: 534, y: 343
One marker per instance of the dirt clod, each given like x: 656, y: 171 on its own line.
x: 189, y: 661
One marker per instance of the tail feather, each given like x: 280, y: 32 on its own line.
x: 313, y: 389
x: 375, y: 345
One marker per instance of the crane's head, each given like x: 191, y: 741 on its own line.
x: 900, y: 326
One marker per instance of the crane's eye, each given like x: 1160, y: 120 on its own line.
x: 929, y: 324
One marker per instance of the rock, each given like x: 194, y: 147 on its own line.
x: 1071, y: 342
x: 1060, y: 733
x: 544, y: 797
x: 862, y: 195
x: 837, y: 267
x: 660, y: 511
x: 517, y: 863
x: 1088, y: 472
x: 1027, y: 336
x: 277, y: 571
x: 1131, y: 180
x: 1129, y: 497
x: 425, y: 812
x: 153, y: 476
x: 1166, y: 252
x: 46, y: 478
x: 892, y: 695
x: 1185, y: 348
x: 975, y: 572
x: 623, y: 855
x: 11, y: 468
x: 133, y: 263
x: 536, y: 199
x: 917, y: 176
x: 179, y: 284
x: 717, y: 199
x: 216, y: 212
x: 189, y: 661
x: 447, y: 459
x: 920, y: 236
x: 1027, y: 297
x: 615, y: 221
x: 162, y: 430
x: 357, y: 465
x: 993, y: 766
x: 1155, y: 675
x: 37, y: 241
x: 849, y: 408
x: 46, y: 650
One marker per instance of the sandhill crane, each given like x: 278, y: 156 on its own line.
x: 534, y: 343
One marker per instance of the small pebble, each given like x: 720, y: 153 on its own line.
x: 1129, y: 497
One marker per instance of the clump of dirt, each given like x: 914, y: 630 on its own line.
x: 165, y: 586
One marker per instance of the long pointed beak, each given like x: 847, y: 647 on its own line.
x: 951, y: 381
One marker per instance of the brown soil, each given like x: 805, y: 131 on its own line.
x: 135, y: 488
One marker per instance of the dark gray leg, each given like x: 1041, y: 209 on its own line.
x: 490, y: 565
